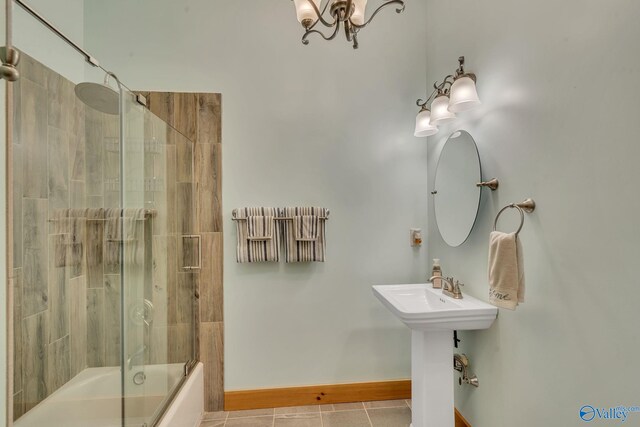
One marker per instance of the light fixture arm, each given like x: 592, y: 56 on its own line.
x: 341, y: 11
x: 319, y: 15
x: 441, y: 87
x: 305, y: 41
x: 423, y: 104
x: 400, y: 9
x: 309, y: 24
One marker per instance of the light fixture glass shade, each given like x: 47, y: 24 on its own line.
x: 304, y: 10
x: 464, y: 95
x: 423, y: 124
x: 440, y: 110
x: 359, y: 11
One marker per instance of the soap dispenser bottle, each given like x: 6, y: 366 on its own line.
x: 437, y: 272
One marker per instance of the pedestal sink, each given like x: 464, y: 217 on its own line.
x: 432, y: 318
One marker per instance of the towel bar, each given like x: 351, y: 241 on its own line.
x: 147, y: 213
x: 527, y: 206
x: 281, y: 218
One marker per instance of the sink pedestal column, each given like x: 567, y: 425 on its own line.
x: 432, y: 378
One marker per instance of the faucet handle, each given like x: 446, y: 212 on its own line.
x: 456, y: 289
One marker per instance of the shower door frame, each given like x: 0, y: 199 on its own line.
x: 9, y: 279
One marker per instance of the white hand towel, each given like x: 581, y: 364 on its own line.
x: 506, y: 270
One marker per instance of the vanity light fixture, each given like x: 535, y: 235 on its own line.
x: 455, y: 94
x: 350, y: 13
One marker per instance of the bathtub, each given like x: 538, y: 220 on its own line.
x: 93, y: 398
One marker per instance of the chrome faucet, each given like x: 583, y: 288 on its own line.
x: 449, y: 288
x: 132, y: 358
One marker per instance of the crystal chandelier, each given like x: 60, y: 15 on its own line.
x: 347, y: 13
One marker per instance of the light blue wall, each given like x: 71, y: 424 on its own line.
x: 552, y: 127
x: 40, y: 43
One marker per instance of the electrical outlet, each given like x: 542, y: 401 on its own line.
x: 415, y: 234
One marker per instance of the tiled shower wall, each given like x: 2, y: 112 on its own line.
x: 198, y: 116
x: 50, y: 278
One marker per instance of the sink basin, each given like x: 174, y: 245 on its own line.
x: 423, y: 308
x: 432, y: 318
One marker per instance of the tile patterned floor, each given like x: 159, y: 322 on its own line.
x: 388, y: 413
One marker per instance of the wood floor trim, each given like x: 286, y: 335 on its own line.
x: 323, y: 395
x: 317, y: 395
x: 460, y: 420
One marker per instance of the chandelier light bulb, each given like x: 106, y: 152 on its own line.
x: 423, y: 124
x: 304, y: 10
x: 360, y: 7
x: 464, y: 95
x: 440, y: 113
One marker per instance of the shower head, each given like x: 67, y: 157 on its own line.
x: 98, y: 96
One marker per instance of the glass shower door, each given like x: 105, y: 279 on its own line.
x: 66, y: 194
x: 159, y: 260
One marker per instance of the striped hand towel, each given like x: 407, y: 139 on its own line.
x: 306, y: 228
x: 124, y: 236
x: 265, y: 249
x: 260, y: 227
x: 299, y: 242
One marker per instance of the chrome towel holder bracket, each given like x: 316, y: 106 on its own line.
x: 528, y: 206
x: 492, y: 184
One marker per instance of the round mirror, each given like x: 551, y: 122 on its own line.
x: 456, y: 196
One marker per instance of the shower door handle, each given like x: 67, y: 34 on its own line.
x: 199, y: 239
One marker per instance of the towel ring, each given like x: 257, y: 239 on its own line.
x: 527, y: 206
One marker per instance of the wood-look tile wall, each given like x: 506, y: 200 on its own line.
x: 49, y: 278
x: 198, y: 116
